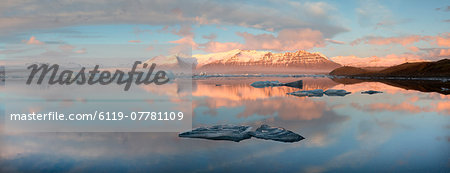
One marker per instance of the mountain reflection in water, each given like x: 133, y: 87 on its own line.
x: 397, y: 130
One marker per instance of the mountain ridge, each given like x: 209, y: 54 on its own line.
x: 440, y: 68
x: 244, y: 61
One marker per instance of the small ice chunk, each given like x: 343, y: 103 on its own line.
x: 296, y: 84
x: 262, y: 84
x: 234, y: 133
x: 308, y: 93
x: 371, y: 92
x: 276, y: 133
x: 333, y: 92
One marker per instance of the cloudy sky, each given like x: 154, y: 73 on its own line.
x: 356, y: 31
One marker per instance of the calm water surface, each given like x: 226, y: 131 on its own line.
x: 396, y: 131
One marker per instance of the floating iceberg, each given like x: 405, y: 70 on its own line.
x: 170, y: 75
x: 276, y: 133
x: 262, y: 84
x: 371, y: 92
x: 220, y: 132
x: 308, y: 93
x: 319, y: 93
x: 333, y: 92
x: 239, y: 133
x: 296, y: 84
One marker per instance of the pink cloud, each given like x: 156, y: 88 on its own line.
x: 414, y: 48
x: 441, y: 106
x: 403, y: 40
x: 440, y: 53
x: 375, y: 61
x: 134, y: 41
x: 201, y: 20
x: 444, y: 52
x: 334, y: 41
x: 210, y: 36
x: 149, y: 48
x: 66, y: 47
x: 443, y: 40
x: 81, y: 51
x: 187, y: 35
x: 188, y: 40
x: 34, y: 41
x: 286, y: 40
x: 440, y: 40
x: 421, y: 54
x: 444, y: 107
x: 214, y: 46
x: 407, y: 107
x: 305, y: 109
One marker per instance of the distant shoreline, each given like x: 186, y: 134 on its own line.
x: 443, y: 79
x: 438, y: 70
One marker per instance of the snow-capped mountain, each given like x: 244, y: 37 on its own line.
x: 204, y: 59
x: 254, y: 61
x: 244, y: 61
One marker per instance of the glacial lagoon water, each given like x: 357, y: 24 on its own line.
x: 398, y: 130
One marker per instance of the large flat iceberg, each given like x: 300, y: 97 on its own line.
x: 238, y: 133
